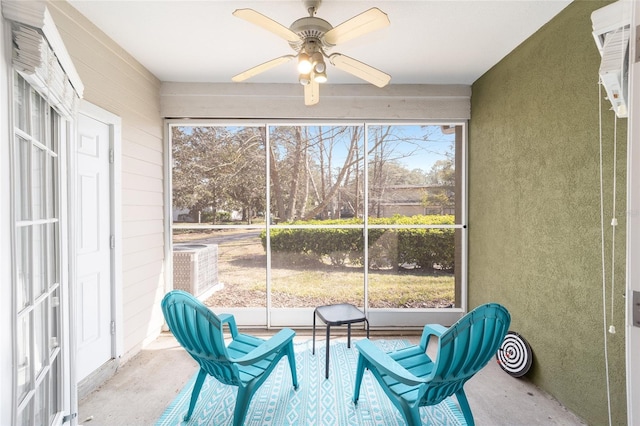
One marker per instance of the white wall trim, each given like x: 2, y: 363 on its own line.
x: 285, y: 101
x: 69, y: 391
x: 115, y: 127
x: 168, y: 214
x: 6, y: 303
x: 633, y: 225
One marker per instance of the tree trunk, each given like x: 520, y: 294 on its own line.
x: 295, y: 175
x: 353, y: 147
x: 276, y: 188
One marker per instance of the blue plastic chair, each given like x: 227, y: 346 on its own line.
x: 412, y: 379
x: 245, y: 362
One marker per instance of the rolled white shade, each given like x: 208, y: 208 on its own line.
x: 40, y: 56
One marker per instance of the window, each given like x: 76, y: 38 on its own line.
x: 310, y: 214
x: 37, y: 135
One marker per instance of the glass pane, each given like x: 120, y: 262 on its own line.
x: 219, y: 179
x: 54, y: 321
x: 22, y: 356
x: 316, y: 266
x: 316, y: 180
x: 316, y: 173
x: 53, y: 239
x: 40, y: 259
x: 23, y: 181
x: 235, y: 257
x: 54, y: 388
x: 412, y: 172
x: 54, y: 134
x: 41, y: 399
x: 41, y: 349
x: 20, y: 98
x: 23, y: 267
x: 52, y: 193
x: 25, y: 417
x: 411, y: 268
x: 38, y: 183
x: 219, y: 175
x: 38, y: 117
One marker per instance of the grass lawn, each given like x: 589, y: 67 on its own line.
x: 297, y: 281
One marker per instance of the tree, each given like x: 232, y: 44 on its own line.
x: 218, y: 168
x: 246, y: 187
x: 304, y: 156
x: 441, y: 177
x: 314, y: 171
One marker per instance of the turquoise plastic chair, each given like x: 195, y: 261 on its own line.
x: 245, y: 362
x: 412, y: 379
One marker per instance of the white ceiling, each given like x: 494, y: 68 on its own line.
x: 428, y: 42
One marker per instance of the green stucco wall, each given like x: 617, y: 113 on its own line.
x: 534, y: 215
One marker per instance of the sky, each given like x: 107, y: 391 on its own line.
x: 414, y: 146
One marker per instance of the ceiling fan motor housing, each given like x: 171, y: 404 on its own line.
x: 310, y: 29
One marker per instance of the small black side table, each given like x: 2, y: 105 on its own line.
x: 340, y: 314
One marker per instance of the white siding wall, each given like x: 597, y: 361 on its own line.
x: 115, y: 81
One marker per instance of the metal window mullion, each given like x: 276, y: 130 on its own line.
x: 25, y: 402
x: 267, y: 143
x: 346, y: 226
x: 365, y: 214
x: 26, y: 223
x: 43, y: 373
x: 419, y: 226
x: 24, y: 135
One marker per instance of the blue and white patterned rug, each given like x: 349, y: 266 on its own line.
x: 318, y: 401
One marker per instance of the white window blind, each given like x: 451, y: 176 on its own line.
x: 37, y: 63
x: 40, y: 57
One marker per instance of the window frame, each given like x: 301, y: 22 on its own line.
x: 384, y: 318
x: 52, y: 295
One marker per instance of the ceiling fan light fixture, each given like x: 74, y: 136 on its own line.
x: 320, y: 77
x: 304, y: 79
x: 318, y: 62
x: 304, y: 63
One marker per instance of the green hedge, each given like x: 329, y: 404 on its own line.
x: 424, y: 248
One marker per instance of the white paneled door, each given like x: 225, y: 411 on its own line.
x: 94, y: 295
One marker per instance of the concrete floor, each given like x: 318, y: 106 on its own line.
x: 143, y: 387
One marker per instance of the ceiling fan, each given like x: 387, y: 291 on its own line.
x: 311, y: 38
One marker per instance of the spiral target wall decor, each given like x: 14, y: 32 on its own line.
x: 514, y: 355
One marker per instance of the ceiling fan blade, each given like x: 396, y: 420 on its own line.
x: 370, y: 20
x: 360, y: 69
x: 261, y: 68
x: 267, y: 23
x: 311, y: 93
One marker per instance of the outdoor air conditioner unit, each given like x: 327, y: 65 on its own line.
x: 611, y: 30
x: 195, y: 268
